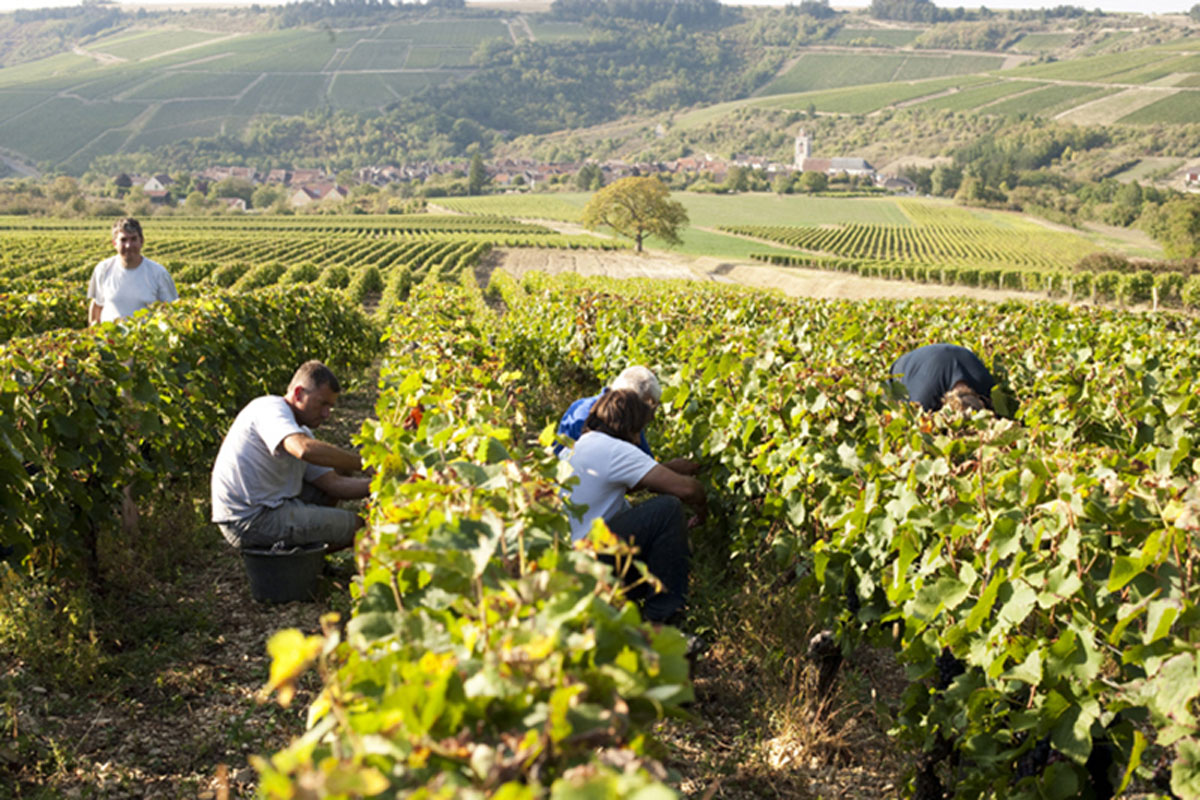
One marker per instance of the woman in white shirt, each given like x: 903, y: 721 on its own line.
x: 608, y: 463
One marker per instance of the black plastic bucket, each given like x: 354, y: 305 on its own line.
x: 284, y: 576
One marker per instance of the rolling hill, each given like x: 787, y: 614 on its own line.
x: 148, y: 85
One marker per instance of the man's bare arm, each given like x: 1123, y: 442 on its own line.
x: 323, y: 454
x: 341, y: 487
x: 94, y: 313
x: 666, y: 481
x: 684, y: 466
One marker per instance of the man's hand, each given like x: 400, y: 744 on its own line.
x: 323, y: 454
x: 341, y: 487
x: 684, y: 466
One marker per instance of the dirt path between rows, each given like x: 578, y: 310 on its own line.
x: 792, y: 281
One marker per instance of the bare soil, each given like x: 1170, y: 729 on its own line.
x: 792, y: 281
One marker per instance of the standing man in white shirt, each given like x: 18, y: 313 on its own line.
x: 273, y: 482
x: 127, y: 282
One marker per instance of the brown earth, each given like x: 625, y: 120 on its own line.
x: 792, y: 281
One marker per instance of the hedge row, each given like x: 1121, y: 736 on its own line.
x: 1129, y: 288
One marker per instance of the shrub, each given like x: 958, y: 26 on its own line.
x: 227, y: 275
x: 1190, y: 293
x: 1102, y: 262
x: 1169, y: 285
x: 1105, y: 285
x: 1135, y: 287
x: 334, y: 277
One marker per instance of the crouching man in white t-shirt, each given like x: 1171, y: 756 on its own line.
x: 126, y: 283
x: 609, y: 463
x: 273, y: 482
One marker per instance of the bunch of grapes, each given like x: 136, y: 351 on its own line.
x: 1034, y: 760
x: 948, y: 668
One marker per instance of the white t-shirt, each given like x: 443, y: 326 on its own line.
x: 607, y: 468
x: 123, y: 292
x: 253, y: 470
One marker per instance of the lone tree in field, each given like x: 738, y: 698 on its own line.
x: 636, y: 207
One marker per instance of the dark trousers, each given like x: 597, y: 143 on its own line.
x: 659, y: 531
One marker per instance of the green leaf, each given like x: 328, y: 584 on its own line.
x: 1060, y: 782
x: 1124, y: 569
x: 1019, y: 604
x: 1072, y: 734
x: 1029, y: 670
x: 983, y: 607
x: 1185, y: 772
x: 1135, y: 760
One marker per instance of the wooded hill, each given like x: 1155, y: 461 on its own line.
x: 346, y: 85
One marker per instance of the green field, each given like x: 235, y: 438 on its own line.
x: 282, y: 94
x: 216, y: 83
x: 886, y: 37
x: 148, y: 44
x: 1042, y: 42
x: 193, y: 84
x: 360, y: 92
x: 1092, y: 68
x: 14, y: 103
x: 172, y: 121
x: 1182, y: 107
x: 48, y: 74
x: 456, y: 33
x: 1048, y: 100
x: 835, y: 70
x: 563, y: 207
x: 370, y: 55
x: 865, y: 99
x: 422, y: 57
x: 557, y: 31
x: 704, y: 210
x: 979, y: 97
x: 816, y: 71
x: 62, y: 125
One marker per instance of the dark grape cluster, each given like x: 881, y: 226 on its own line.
x: 853, y: 603
x: 948, y: 668
x: 1034, y: 760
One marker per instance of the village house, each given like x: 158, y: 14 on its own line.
x: 158, y: 183
x: 804, y: 162
x: 224, y: 172
x: 315, y: 193
x: 304, y: 177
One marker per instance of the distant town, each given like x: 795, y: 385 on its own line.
x: 308, y: 187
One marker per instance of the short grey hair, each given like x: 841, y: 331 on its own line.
x: 641, y: 380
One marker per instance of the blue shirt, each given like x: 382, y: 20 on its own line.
x: 930, y: 371
x: 572, y: 422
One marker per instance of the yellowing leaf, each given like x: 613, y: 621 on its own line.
x: 291, y: 652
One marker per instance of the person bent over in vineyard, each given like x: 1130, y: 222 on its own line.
x: 273, y: 482
x: 645, y: 384
x: 609, y: 463
x: 124, y: 284
x: 950, y: 375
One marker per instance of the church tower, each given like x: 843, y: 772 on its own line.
x: 803, y: 150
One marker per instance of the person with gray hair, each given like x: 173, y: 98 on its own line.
x: 643, y: 382
x: 273, y: 482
